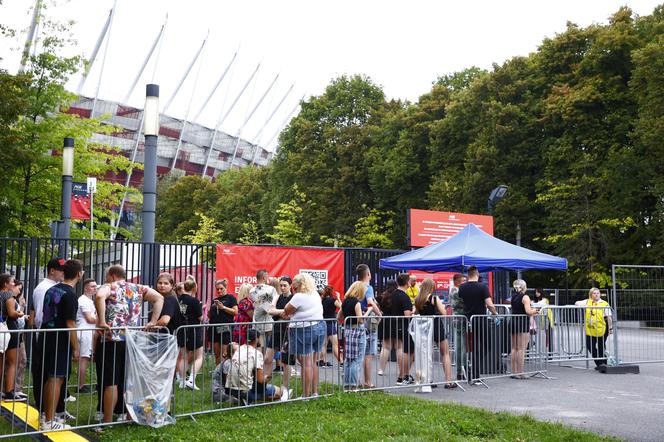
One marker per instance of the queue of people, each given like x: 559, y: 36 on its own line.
x: 271, y: 327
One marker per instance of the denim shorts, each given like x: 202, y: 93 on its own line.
x: 372, y: 343
x: 306, y: 340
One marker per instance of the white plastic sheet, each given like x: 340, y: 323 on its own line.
x: 151, y: 359
x: 421, y: 330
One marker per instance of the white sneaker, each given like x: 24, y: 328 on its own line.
x: 293, y: 372
x: 54, y: 426
x: 99, y: 416
x: 181, y: 384
x: 122, y: 418
x: 189, y: 384
x: 64, y: 416
x: 284, y: 394
x: 70, y: 398
x: 380, y: 372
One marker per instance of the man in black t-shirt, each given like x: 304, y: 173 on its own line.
x: 60, y: 307
x: 476, y: 300
x: 402, y: 306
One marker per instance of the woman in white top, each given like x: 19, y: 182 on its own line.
x: 306, y: 331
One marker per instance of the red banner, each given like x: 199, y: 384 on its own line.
x: 80, y: 201
x: 239, y: 264
x: 429, y: 226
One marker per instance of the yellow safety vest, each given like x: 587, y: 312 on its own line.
x: 595, y: 323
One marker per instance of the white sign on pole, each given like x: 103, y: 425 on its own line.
x: 92, y: 185
x: 92, y: 189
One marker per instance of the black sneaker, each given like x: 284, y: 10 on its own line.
x: 11, y: 396
x: 329, y: 364
x: 399, y: 381
x: 321, y: 364
x: 278, y: 370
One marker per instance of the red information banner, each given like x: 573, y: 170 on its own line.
x: 430, y: 227
x: 239, y: 264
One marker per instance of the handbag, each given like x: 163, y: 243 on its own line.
x: 373, y: 321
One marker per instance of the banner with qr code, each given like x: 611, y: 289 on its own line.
x: 239, y: 264
x: 320, y: 276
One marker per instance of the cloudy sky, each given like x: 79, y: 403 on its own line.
x: 402, y: 45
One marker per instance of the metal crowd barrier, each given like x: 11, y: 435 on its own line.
x: 292, y: 369
x: 573, y: 334
x: 505, y: 345
x: 48, y: 355
x: 399, y: 352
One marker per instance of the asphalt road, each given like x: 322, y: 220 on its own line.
x: 627, y: 406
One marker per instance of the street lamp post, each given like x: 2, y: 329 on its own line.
x: 151, y: 131
x: 67, y: 174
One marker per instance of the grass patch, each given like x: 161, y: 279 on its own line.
x: 367, y: 416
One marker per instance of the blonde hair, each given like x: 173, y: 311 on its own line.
x: 520, y: 286
x: 426, y: 289
x: 304, y: 283
x: 356, y: 290
x: 244, y: 291
x: 592, y: 289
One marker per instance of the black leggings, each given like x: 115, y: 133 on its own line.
x: 595, y: 345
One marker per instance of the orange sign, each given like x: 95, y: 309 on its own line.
x: 428, y: 227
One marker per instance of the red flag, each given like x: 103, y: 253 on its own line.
x: 80, y: 201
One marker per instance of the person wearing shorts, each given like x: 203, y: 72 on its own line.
x: 306, y: 331
x: 191, y: 341
x: 119, y: 304
x: 222, y: 311
x: 8, y: 356
x: 86, y: 318
x: 59, y: 311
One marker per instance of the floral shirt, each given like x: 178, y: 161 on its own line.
x: 243, y: 309
x: 123, y: 308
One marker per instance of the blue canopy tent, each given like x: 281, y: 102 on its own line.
x: 471, y: 246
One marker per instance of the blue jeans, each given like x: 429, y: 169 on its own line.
x: 353, y: 368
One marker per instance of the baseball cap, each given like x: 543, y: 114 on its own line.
x: 56, y: 264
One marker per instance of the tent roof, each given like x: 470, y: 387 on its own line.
x: 471, y: 246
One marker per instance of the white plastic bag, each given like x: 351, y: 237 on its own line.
x: 421, y: 330
x: 151, y: 359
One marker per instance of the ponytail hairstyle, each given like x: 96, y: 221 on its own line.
x: 426, y: 289
x: 190, y: 284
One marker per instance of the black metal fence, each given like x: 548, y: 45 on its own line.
x: 26, y: 258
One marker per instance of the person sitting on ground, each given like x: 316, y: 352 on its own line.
x: 86, y: 318
x: 119, y: 304
x: 246, y: 380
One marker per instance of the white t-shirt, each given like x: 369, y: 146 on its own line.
x: 307, y: 308
x: 38, y: 299
x: 244, y: 362
x: 85, y: 305
x: 262, y: 291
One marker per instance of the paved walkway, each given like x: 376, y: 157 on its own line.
x: 630, y: 407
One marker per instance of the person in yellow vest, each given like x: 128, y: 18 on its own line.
x: 599, y: 325
x: 412, y: 290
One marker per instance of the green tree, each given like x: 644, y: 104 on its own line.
x: 374, y: 230
x: 34, y: 123
x: 290, y: 229
x: 207, y: 231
